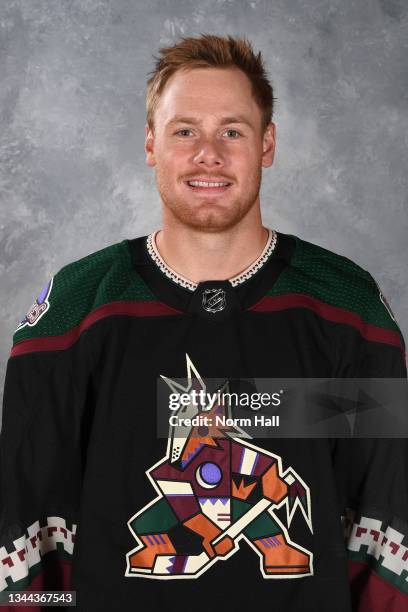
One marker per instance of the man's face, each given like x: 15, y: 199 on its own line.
x: 208, y: 127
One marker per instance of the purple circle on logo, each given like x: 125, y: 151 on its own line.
x: 210, y: 473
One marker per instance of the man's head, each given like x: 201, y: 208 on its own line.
x: 209, y: 109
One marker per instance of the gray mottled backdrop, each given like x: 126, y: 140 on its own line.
x: 73, y: 176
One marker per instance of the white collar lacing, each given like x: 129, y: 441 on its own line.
x: 236, y: 280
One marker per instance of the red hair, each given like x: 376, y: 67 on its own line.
x: 208, y: 51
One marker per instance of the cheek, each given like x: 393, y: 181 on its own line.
x: 246, y: 160
x: 169, y: 170
x: 246, y: 153
x: 173, y: 156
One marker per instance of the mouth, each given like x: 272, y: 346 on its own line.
x: 210, y: 187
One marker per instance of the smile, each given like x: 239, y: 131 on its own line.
x: 206, y: 184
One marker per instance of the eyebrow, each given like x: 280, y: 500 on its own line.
x: 223, y: 121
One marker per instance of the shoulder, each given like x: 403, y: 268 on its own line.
x: 77, y: 290
x: 329, y: 279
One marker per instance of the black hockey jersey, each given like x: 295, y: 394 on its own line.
x: 93, y: 500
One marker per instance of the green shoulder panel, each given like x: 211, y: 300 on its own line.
x: 79, y: 288
x: 337, y: 281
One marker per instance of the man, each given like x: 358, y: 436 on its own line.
x: 93, y: 499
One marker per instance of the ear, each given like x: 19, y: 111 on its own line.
x: 149, y: 146
x: 268, y: 145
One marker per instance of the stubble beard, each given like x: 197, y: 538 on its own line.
x: 208, y: 215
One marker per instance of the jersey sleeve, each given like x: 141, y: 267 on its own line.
x: 47, y: 410
x: 372, y: 477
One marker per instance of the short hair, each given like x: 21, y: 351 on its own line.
x: 208, y: 51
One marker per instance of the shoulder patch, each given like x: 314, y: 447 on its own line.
x: 335, y: 280
x: 385, y: 302
x: 38, y: 308
x: 80, y: 288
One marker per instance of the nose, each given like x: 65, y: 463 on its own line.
x: 208, y: 154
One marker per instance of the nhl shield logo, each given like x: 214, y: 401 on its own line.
x: 214, y: 300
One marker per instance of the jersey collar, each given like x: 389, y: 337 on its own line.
x: 234, y: 281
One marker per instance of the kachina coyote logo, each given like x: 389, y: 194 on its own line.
x: 215, y: 489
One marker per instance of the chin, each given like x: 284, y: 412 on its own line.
x: 209, y: 218
x: 210, y: 215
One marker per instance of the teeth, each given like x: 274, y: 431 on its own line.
x: 206, y: 184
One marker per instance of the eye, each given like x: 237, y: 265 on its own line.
x: 234, y: 131
x: 183, y: 130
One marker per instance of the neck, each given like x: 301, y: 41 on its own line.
x: 200, y: 256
